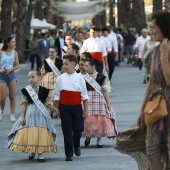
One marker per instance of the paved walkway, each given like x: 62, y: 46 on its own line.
x: 126, y: 100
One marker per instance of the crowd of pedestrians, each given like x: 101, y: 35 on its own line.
x: 72, y: 80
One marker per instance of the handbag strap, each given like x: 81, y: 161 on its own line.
x: 156, y: 93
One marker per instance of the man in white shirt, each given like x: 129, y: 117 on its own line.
x: 140, y: 42
x: 94, y: 46
x: 113, y: 55
x: 108, y: 46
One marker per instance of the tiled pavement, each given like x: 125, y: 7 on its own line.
x: 126, y: 100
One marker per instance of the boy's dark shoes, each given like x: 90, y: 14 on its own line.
x: 77, y: 151
x: 86, y: 143
x: 99, y: 146
x: 68, y: 158
x: 31, y: 156
x: 41, y: 160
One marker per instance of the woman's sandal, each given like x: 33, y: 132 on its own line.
x: 31, y: 156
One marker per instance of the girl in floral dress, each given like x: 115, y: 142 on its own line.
x: 101, y: 117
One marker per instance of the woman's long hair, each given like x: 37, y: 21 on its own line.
x: 6, y: 42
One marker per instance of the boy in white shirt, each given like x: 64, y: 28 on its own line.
x: 69, y: 92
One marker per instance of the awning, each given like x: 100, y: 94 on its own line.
x: 80, y: 10
x: 38, y: 24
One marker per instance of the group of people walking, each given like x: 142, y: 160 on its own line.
x: 73, y: 87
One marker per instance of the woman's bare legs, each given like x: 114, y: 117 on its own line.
x: 12, y: 90
x: 3, y: 88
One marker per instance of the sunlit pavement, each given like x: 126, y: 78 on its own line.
x: 126, y: 100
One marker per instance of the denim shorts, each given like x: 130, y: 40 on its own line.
x: 129, y: 49
x: 8, y: 78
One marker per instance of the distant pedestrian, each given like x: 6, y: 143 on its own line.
x: 140, y: 42
x: 112, y: 56
x: 149, y: 45
x: 33, y: 45
x: 43, y: 47
x: 34, y: 132
x: 8, y: 63
x: 68, y: 41
x: 60, y: 43
x: 128, y: 43
x: 96, y: 48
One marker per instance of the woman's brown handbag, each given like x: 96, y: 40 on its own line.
x: 155, y: 110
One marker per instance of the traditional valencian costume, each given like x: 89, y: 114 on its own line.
x: 38, y: 135
x: 100, y: 121
x: 51, y: 69
x: 70, y: 91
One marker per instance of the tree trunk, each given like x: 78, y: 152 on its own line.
x: 27, y: 26
x: 119, y: 13
x: 157, y: 5
x: 138, y: 13
x: 111, y: 18
x: 94, y: 20
x: 38, y: 9
x: 167, y: 5
x: 47, y: 10
x: 103, y: 18
x: 6, y: 22
x: 127, y: 13
x: 20, y: 40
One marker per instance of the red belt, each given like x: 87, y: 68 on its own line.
x: 97, y: 55
x: 111, y: 52
x: 70, y: 97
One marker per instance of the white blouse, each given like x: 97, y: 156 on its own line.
x: 71, y: 82
x: 93, y: 45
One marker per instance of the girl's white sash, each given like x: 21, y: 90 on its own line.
x: 34, y: 97
x: 53, y: 67
x: 93, y: 83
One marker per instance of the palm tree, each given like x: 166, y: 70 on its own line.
x: 6, y: 22
x: 103, y: 18
x: 157, y: 5
x: 138, y: 15
x: 28, y: 18
x: 111, y: 18
x: 119, y: 13
x: 47, y: 10
x: 21, y: 18
x: 167, y: 5
x: 128, y: 13
x: 38, y: 13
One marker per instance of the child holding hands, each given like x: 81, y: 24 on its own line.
x: 34, y: 132
x: 101, y: 116
x: 69, y: 92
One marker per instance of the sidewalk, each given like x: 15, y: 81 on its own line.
x: 126, y: 100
